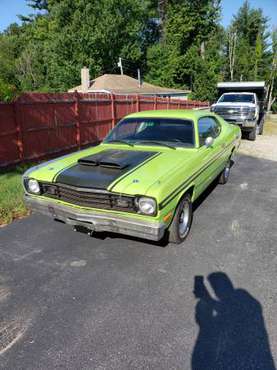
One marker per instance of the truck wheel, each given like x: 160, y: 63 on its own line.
x: 261, y: 127
x: 224, y: 176
x: 180, y: 226
x: 252, y: 134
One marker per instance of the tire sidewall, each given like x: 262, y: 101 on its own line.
x: 223, y: 178
x: 175, y: 224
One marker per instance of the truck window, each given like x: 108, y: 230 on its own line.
x: 237, y: 98
x: 208, y: 126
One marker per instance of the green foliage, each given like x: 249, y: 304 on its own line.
x: 188, y: 56
x: 11, y: 195
x: 252, y: 52
x: 176, y: 43
x: 7, y: 92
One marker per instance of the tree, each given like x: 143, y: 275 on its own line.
x: 181, y: 56
x: 175, y: 43
x: 248, y: 45
x: 231, y: 44
x: 272, y: 90
x: 38, y: 4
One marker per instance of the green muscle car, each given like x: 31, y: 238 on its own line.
x: 142, y: 179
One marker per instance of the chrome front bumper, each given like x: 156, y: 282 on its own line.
x: 241, y: 121
x: 94, y: 221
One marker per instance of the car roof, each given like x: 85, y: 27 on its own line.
x: 171, y: 113
x: 239, y: 92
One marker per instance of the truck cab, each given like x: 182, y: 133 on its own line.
x: 241, y: 103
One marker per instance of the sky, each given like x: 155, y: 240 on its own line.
x: 9, y: 9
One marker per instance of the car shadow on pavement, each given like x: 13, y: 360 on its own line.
x: 232, y: 333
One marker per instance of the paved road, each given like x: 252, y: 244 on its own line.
x: 68, y: 301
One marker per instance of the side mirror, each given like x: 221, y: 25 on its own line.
x: 209, y: 141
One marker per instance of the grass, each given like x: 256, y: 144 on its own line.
x: 11, y: 195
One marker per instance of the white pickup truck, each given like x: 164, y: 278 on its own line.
x: 242, y: 103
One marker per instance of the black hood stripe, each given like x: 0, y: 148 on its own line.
x: 92, y: 171
x: 134, y: 169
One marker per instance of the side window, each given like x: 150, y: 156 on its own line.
x: 208, y: 126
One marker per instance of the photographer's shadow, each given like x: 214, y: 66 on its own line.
x: 232, y: 333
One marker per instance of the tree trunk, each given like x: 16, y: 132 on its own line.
x: 232, y: 53
x: 162, y: 4
x: 202, y: 49
x: 270, y: 97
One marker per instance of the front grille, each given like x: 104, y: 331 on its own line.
x: 89, y: 197
x: 232, y: 111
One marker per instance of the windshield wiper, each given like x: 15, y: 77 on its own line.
x: 119, y: 142
x: 151, y: 142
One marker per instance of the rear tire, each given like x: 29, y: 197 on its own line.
x: 181, y: 224
x: 224, y: 176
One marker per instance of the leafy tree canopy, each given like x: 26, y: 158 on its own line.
x: 176, y: 43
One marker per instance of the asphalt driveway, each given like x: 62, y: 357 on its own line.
x: 69, y: 301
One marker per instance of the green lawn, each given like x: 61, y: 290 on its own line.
x: 11, y: 195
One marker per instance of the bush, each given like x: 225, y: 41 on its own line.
x: 7, y: 92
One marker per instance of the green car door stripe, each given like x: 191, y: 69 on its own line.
x: 181, y: 187
x: 133, y: 170
x: 100, y: 170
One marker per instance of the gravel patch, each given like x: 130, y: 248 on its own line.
x: 265, y: 145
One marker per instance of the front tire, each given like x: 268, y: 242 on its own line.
x: 181, y: 224
x: 252, y: 134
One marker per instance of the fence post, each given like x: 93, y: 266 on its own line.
x: 19, y: 140
x: 76, y: 111
x: 112, y: 110
x: 138, y: 105
x: 168, y: 101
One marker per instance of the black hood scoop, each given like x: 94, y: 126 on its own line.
x: 118, y: 159
x: 101, y: 169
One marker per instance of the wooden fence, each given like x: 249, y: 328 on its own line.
x: 39, y: 126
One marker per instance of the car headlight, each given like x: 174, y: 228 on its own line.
x: 33, y: 186
x: 147, y: 206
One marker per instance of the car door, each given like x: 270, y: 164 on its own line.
x: 210, y: 159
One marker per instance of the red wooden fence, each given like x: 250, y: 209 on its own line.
x: 38, y: 126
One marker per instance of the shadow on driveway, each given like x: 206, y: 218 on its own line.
x: 232, y: 333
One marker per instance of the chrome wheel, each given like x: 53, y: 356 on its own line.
x: 184, y: 220
x: 227, y: 171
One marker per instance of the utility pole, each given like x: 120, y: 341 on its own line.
x: 139, y: 78
x: 120, y: 65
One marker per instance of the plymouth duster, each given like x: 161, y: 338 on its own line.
x: 142, y: 179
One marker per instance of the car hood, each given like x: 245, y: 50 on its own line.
x: 139, y: 170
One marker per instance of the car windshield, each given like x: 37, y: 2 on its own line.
x: 153, y: 131
x: 237, y: 98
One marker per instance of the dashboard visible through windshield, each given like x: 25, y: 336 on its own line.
x: 169, y: 132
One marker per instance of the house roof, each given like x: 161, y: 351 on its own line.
x: 123, y: 84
